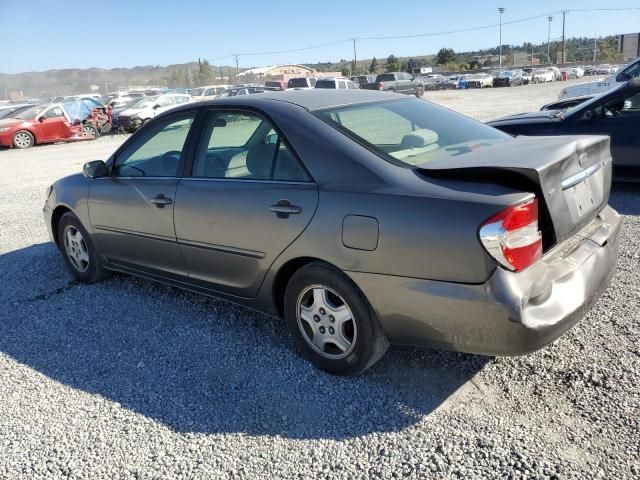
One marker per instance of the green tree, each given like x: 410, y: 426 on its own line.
x: 445, y: 55
x: 374, y: 65
x: 393, y: 65
x: 413, y: 64
x: 345, y: 71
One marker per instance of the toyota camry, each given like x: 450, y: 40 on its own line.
x: 360, y: 218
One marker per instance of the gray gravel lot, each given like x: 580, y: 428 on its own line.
x: 127, y: 379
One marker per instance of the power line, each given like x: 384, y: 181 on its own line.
x: 419, y: 35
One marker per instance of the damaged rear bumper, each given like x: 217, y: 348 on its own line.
x: 511, y: 313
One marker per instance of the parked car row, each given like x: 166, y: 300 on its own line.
x: 74, y: 119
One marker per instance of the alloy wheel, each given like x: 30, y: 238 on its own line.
x: 326, y: 322
x: 22, y: 139
x: 76, y: 249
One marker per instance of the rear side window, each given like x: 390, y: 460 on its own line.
x: 261, y: 153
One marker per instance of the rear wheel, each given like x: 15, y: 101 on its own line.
x: 79, y: 252
x: 331, y: 321
x: 23, y: 139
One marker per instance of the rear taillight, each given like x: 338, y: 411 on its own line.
x: 381, y: 86
x: 512, y: 236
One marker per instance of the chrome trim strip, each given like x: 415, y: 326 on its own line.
x: 222, y: 248
x: 135, y: 234
x: 573, y: 180
x: 247, y: 180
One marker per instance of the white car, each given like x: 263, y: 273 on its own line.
x: 629, y: 71
x: 543, y: 75
x: 339, y: 83
x: 147, y: 108
x: 208, y: 92
x: 480, y: 80
x: 301, y: 83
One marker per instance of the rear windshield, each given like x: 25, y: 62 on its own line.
x: 387, y: 77
x: 410, y: 132
x: 326, y: 84
x: 297, y: 83
x: 196, y: 92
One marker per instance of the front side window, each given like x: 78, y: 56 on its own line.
x: 410, y: 132
x: 55, y: 112
x: 325, y: 84
x: 245, y: 146
x: 158, y: 153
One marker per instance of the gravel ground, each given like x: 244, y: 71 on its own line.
x: 127, y: 379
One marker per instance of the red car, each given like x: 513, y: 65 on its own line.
x: 42, y: 124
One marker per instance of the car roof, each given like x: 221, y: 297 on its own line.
x: 314, y: 99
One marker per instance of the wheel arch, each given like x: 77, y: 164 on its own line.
x: 285, y: 272
x: 30, y: 131
x: 56, y: 215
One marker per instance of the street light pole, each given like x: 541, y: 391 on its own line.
x: 501, y: 11
x: 549, y: 41
x: 564, y: 14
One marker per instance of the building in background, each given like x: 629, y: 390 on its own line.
x: 629, y: 46
x: 277, y: 72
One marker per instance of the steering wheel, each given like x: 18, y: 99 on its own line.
x: 611, y: 112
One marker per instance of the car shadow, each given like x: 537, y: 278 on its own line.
x: 196, y: 364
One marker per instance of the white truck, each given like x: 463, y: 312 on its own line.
x: 595, y: 87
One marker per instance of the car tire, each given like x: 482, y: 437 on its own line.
x: 78, y: 250
x: 345, y: 344
x: 23, y: 139
x: 89, y: 130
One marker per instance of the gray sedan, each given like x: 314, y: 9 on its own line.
x: 361, y: 218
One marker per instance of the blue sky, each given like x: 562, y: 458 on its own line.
x: 39, y: 35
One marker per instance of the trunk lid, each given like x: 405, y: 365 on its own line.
x: 570, y: 176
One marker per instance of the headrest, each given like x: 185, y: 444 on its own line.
x: 419, y: 138
x: 260, y: 159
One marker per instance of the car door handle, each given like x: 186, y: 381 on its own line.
x: 160, y: 200
x: 284, y: 208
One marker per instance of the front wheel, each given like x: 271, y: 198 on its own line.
x: 331, y: 321
x: 78, y: 250
x: 89, y: 131
x: 23, y: 139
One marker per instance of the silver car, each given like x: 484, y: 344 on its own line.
x: 361, y: 218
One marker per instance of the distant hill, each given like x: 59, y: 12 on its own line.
x: 192, y: 74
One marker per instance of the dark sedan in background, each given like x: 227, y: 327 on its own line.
x: 361, y: 218
x: 615, y: 113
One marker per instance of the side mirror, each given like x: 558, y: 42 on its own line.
x: 622, y: 77
x: 95, y: 169
x: 589, y: 116
x: 156, y: 106
x: 41, y: 119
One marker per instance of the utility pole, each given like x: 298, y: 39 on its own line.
x: 500, y: 11
x: 595, y: 48
x: 355, y: 57
x: 236, y: 67
x: 564, y: 14
x: 532, y: 54
x: 549, y: 40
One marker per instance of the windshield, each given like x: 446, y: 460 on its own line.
x: 196, y: 92
x: 410, y: 132
x: 30, y: 113
x: 145, y: 103
x: 326, y: 84
x: 297, y: 83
